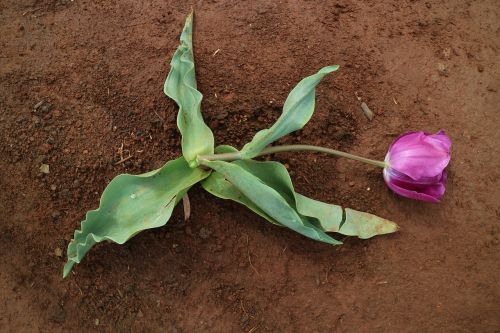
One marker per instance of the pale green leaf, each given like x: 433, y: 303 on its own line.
x: 197, y: 138
x: 330, y: 218
x: 297, y: 110
x: 268, y: 200
x: 131, y: 204
x: 217, y: 185
x: 354, y: 223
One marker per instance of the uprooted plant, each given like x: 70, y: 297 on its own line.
x: 131, y: 204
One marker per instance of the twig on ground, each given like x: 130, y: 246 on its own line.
x: 242, y: 307
x: 366, y: 110
x: 253, y: 329
x: 187, y: 207
x: 249, y: 258
x: 124, y: 159
x: 162, y: 120
x: 31, y: 11
x: 356, y: 94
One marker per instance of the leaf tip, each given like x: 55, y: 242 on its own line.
x: 67, y: 268
x: 329, y: 69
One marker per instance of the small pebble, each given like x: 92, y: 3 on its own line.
x: 45, y: 107
x: 443, y: 69
x: 351, y: 183
x: 204, y: 233
x: 37, y: 105
x: 447, y: 53
x: 44, y: 168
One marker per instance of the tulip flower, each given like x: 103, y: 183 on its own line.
x: 416, y: 163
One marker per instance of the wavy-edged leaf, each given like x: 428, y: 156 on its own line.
x: 297, y: 110
x: 354, y: 223
x: 331, y: 218
x: 197, y: 138
x: 268, y: 200
x: 131, y: 204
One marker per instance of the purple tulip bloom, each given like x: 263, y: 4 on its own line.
x: 416, y: 164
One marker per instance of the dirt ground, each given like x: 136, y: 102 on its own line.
x: 81, y: 79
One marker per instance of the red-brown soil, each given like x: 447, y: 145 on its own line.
x: 99, y: 67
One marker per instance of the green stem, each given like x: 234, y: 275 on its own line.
x: 289, y: 148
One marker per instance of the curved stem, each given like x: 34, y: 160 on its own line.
x: 289, y: 148
x: 278, y: 149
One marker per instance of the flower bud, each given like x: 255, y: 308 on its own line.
x: 416, y: 163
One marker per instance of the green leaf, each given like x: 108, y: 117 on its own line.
x: 197, y: 138
x: 297, y: 110
x: 330, y: 218
x: 355, y: 223
x: 131, y: 204
x: 268, y: 200
x: 217, y: 185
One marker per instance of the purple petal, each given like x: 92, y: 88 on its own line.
x: 420, y: 155
x: 407, y: 187
x: 443, y: 139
